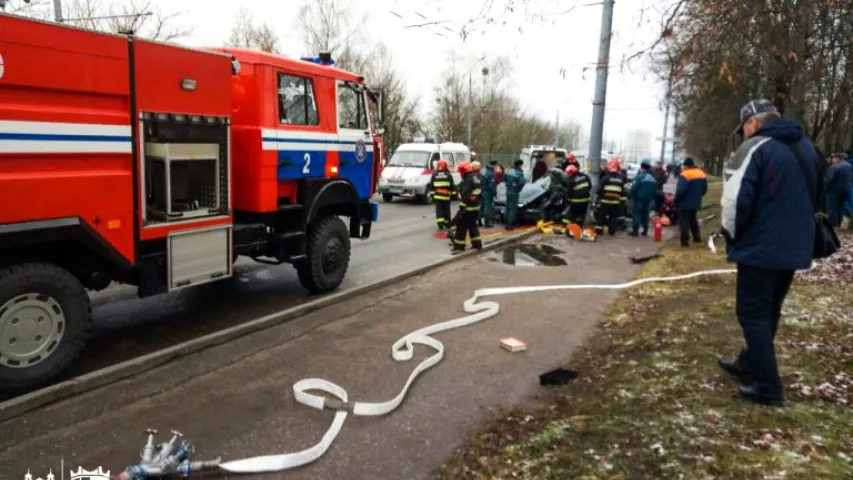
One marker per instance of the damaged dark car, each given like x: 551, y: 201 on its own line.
x: 531, y: 201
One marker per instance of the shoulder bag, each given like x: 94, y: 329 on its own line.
x: 826, y: 242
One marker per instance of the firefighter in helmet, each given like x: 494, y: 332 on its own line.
x: 579, y: 188
x: 571, y: 160
x: 441, y: 188
x: 611, y: 191
x: 469, y: 209
x: 514, y: 183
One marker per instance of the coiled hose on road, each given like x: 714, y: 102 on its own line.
x: 402, y: 351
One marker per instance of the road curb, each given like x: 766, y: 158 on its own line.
x: 75, y: 386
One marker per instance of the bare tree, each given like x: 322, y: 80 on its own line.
x: 137, y: 17
x: 499, y: 124
x: 332, y: 26
x: 721, y: 53
x: 40, y: 9
x: 246, y: 34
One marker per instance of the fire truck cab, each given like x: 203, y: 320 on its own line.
x: 131, y: 161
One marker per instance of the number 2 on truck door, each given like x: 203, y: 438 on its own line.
x: 301, y: 143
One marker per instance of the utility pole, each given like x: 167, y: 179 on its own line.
x: 57, y: 10
x: 597, y: 131
x: 557, y: 132
x: 663, y: 139
x: 675, y: 133
x: 469, y: 107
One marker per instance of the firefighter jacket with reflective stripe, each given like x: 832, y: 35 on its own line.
x: 470, y: 192
x: 579, y: 188
x: 441, y: 185
x: 611, y: 189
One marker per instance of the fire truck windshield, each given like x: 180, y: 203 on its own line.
x: 410, y: 158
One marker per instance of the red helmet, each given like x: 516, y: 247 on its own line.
x: 463, y: 168
x: 442, y: 164
x: 571, y: 157
x: 571, y: 170
x: 613, y: 166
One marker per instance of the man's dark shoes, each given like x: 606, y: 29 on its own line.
x: 732, y: 368
x: 634, y: 234
x: 751, y: 393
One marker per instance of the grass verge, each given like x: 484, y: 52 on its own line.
x: 650, y: 401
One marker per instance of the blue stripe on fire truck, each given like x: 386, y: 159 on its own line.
x: 52, y: 137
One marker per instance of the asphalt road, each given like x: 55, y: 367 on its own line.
x: 236, y: 399
x: 126, y: 326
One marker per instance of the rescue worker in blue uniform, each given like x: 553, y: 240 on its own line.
x: 642, y: 194
x: 441, y: 188
x: 470, y: 192
x: 579, y: 188
x: 611, y: 191
x: 514, y: 183
x: 489, y: 186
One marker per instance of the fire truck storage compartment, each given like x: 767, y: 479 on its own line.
x: 183, y: 181
x: 198, y: 256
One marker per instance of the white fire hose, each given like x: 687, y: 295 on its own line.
x: 402, y: 351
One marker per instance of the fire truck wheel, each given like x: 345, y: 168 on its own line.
x: 45, y: 319
x: 328, y: 250
x: 387, y: 197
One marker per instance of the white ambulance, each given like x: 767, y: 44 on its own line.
x: 409, y: 170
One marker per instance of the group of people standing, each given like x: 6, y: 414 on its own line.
x: 571, y: 194
x: 477, y: 192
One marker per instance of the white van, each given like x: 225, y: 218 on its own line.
x: 409, y: 170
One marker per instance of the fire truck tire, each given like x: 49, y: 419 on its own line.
x: 328, y: 251
x: 50, y: 307
x: 387, y: 197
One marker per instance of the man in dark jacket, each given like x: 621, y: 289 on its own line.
x: 642, y: 194
x: 487, y: 183
x: 768, y: 222
x: 838, y: 180
x: 692, y: 186
x: 660, y: 178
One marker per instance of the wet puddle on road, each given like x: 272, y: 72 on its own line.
x: 531, y: 255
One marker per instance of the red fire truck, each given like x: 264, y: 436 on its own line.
x: 131, y: 161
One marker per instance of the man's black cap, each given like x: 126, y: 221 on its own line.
x: 493, y: 162
x: 688, y: 162
x: 518, y: 162
x: 753, y: 108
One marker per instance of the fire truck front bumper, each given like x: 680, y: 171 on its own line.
x: 366, y: 212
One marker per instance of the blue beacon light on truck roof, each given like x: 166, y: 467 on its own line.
x: 322, y: 59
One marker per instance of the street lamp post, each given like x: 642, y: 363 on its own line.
x: 484, y: 71
x: 470, y: 103
x: 57, y: 10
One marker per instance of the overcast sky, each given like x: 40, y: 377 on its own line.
x: 538, y: 52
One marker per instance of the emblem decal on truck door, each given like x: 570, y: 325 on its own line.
x: 360, y: 151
